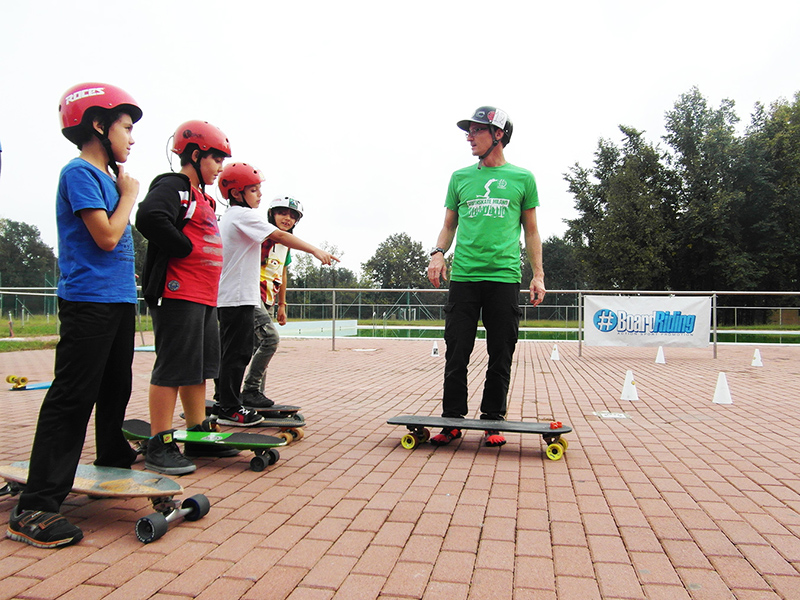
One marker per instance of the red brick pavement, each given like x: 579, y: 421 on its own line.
x: 680, y: 499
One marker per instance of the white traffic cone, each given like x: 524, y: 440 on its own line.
x: 629, y: 391
x: 722, y: 394
x: 757, y: 359
x: 660, y: 360
x: 554, y: 354
x: 435, y: 350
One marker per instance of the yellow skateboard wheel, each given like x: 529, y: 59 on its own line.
x: 555, y: 451
x: 409, y: 441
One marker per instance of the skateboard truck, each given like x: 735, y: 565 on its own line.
x: 150, y: 528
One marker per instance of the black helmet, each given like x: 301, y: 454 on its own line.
x: 495, y: 117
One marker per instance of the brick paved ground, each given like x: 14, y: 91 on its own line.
x: 682, y: 499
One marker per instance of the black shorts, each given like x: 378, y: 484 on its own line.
x: 187, y: 343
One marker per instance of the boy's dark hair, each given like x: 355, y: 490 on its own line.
x: 186, y: 155
x: 107, y: 118
x: 271, y: 217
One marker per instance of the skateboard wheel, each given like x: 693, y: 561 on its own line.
x: 426, y: 435
x: 11, y: 378
x: 285, y: 435
x: 555, y: 451
x: 258, y: 464
x: 409, y: 441
x: 298, y: 432
x: 22, y: 381
x: 563, y: 442
x: 198, y: 505
x: 273, y: 456
x: 151, y: 527
x: 299, y: 417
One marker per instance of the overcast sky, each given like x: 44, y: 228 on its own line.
x: 351, y: 106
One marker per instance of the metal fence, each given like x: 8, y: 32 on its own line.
x: 764, y: 316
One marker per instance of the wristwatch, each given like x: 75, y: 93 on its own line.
x: 435, y: 250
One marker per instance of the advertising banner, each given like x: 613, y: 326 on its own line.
x: 683, y: 321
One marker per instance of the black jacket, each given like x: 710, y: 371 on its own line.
x: 160, y: 219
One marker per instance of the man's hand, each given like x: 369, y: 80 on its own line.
x: 437, y: 269
x: 537, y: 290
x: 281, y: 314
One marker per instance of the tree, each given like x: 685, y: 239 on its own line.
x: 622, y: 238
x: 708, y: 158
x: 398, y: 262
x: 25, y: 259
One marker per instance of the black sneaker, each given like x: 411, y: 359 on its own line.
x: 164, y: 456
x: 255, y: 400
x: 42, y: 529
x: 195, y: 449
x: 238, y: 416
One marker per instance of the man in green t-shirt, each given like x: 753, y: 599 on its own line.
x: 489, y: 204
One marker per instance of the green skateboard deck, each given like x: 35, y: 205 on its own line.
x: 263, y: 446
x: 110, y: 482
x: 551, y: 432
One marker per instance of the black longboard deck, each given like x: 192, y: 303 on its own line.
x: 417, y: 425
x: 276, y: 410
x: 542, y: 428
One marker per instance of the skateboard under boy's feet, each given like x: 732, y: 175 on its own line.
x: 286, y: 418
x: 111, y: 482
x: 419, y: 433
x: 263, y: 446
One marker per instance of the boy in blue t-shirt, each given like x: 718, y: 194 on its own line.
x: 96, y: 307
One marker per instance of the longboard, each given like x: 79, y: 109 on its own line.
x: 290, y: 425
x: 275, y: 411
x: 419, y: 433
x: 110, y: 482
x: 21, y: 383
x: 263, y: 446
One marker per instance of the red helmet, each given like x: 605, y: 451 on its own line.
x: 202, y: 133
x: 77, y: 100
x: 237, y: 176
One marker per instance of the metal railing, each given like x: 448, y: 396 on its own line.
x: 425, y: 305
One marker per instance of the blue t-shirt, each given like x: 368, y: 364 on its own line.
x: 88, y: 273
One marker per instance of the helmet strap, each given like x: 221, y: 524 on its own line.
x: 106, y: 143
x: 196, y: 165
x: 495, y: 141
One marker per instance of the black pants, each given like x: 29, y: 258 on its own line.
x: 92, y: 368
x: 497, y: 304
x: 236, y: 335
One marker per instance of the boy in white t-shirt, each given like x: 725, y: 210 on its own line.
x: 243, y: 230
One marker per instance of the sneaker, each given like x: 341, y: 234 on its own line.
x: 445, y: 437
x: 255, y: 400
x: 195, y: 449
x: 238, y: 416
x: 42, y: 529
x: 164, y: 456
x: 493, y: 438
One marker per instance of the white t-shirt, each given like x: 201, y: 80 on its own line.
x: 242, y: 230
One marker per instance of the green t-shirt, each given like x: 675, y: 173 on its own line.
x: 489, y: 202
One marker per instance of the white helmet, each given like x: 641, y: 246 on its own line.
x: 286, y: 202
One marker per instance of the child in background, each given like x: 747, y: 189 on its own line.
x: 96, y: 307
x: 180, y: 283
x: 244, y: 230
x: 284, y: 212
